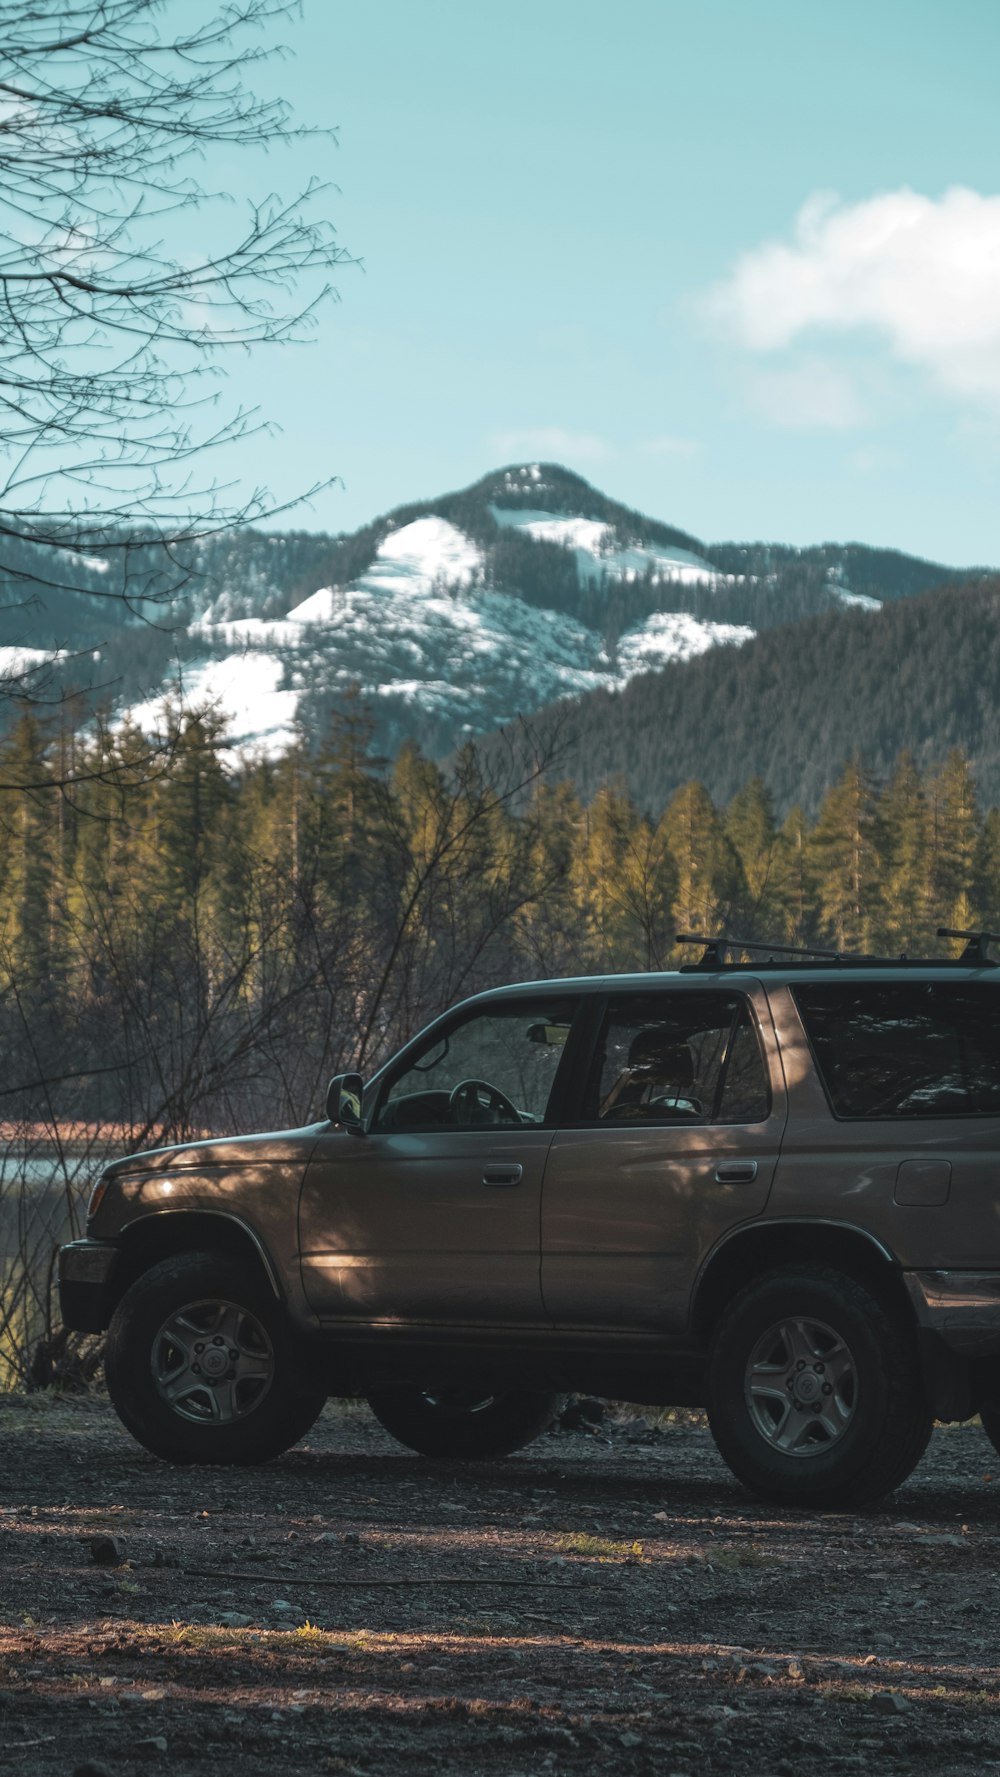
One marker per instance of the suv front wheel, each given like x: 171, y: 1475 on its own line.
x: 200, y: 1366
x: 814, y: 1390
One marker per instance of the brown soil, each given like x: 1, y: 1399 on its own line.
x: 608, y: 1602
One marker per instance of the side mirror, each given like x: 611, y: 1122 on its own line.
x: 343, y: 1102
x: 553, y: 1034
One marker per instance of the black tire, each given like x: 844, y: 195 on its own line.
x: 464, y: 1423
x: 814, y: 1389
x: 216, y: 1310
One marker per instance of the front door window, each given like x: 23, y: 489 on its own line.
x: 493, y: 1070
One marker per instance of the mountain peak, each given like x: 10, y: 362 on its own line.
x: 451, y: 615
x: 521, y: 482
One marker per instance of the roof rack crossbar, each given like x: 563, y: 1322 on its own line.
x: 715, y: 951
x: 715, y: 947
x: 976, y: 943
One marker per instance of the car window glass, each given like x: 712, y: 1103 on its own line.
x: 745, y: 1097
x: 664, y: 1058
x: 905, y: 1048
x: 495, y: 1068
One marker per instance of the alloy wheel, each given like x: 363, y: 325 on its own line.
x: 212, y: 1362
x: 801, y: 1387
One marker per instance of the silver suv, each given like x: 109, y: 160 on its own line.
x: 773, y: 1191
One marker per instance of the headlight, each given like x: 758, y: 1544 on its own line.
x: 97, y: 1196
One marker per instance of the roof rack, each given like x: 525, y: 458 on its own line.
x: 717, y: 950
x: 976, y: 946
x: 714, y: 957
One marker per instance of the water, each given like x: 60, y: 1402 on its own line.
x: 43, y: 1201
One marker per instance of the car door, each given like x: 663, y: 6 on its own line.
x: 433, y: 1215
x: 672, y: 1141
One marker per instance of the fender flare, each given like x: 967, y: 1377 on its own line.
x: 218, y: 1215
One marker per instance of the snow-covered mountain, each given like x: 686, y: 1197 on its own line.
x: 424, y: 629
x: 452, y: 617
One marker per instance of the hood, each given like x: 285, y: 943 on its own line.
x: 229, y: 1151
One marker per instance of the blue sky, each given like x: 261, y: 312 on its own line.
x: 738, y: 264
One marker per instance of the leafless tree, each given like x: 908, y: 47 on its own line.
x: 114, y: 326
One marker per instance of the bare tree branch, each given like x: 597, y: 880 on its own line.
x: 114, y: 328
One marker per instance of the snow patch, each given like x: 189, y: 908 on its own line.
x: 860, y: 599
x: 319, y: 607
x: 674, y: 635
x: 836, y: 579
x: 515, y: 479
x: 250, y: 632
x: 589, y: 534
x: 425, y: 554
x: 96, y: 563
x: 597, y: 553
x: 243, y: 688
x: 16, y: 663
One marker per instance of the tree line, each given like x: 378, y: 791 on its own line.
x: 184, y: 948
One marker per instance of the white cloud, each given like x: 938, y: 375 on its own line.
x: 549, y: 443
x: 922, y: 274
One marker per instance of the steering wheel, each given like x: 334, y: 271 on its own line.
x: 467, y: 1099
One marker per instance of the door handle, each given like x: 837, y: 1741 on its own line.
x: 736, y: 1172
x: 502, y: 1175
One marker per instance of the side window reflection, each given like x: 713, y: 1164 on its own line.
x: 905, y: 1048
x: 677, y: 1058
x: 494, y: 1069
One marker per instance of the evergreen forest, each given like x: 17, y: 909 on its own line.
x: 185, y: 950
x: 793, y: 703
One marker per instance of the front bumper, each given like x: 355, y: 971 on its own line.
x: 961, y: 1307
x: 85, y: 1274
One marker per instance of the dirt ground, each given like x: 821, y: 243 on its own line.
x: 609, y: 1600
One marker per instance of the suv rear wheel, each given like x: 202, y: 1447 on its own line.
x: 200, y: 1366
x: 990, y: 1417
x: 814, y: 1390
x: 465, y: 1422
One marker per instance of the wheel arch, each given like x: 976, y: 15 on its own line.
x: 165, y: 1234
x: 758, y: 1247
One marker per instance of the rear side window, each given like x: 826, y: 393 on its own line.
x: 677, y: 1058
x: 905, y: 1048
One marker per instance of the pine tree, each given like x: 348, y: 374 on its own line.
x: 954, y: 825
x: 109, y: 895
x: 624, y: 880
x: 791, y: 886
x: 710, y: 882
x: 547, y: 929
x: 844, y: 862
x: 343, y: 820
x: 419, y: 801
x: 752, y: 830
x: 986, y: 875
x: 905, y: 920
x: 188, y: 806
x: 29, y: 858
x: 271, y: 794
